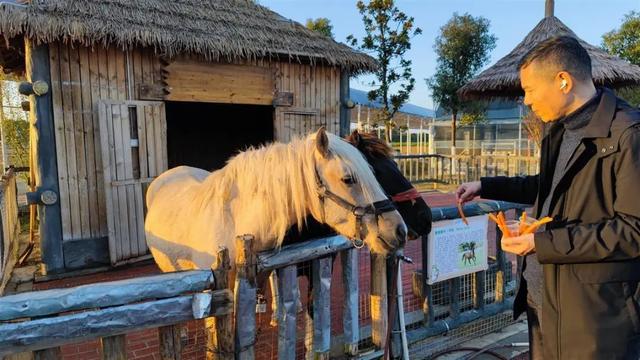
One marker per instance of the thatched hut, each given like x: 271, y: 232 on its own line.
x: 123, y: 89
x: 503, y: 79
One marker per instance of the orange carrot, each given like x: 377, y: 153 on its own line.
x: 533, y: 227
x: 523, y: 222
x: 461, y: 212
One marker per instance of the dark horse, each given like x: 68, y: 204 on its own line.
x: 414, y: 210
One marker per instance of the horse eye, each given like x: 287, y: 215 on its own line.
x: 349, y: 180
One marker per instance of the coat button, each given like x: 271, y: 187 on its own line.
x: 604, y: 150
x: 611, y: 147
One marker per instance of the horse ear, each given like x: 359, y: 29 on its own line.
x: 355, y: 138
x: 322, y: 142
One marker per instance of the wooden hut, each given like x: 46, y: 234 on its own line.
x: 503, y: 78
x: 123, y: 90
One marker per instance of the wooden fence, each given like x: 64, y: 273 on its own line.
x: 42, y: 321
x: 10, y: 226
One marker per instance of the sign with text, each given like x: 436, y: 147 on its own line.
x: 456, y: 249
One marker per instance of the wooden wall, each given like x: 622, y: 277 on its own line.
x: 82, y: 76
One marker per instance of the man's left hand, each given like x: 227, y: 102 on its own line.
x: 519, y: 245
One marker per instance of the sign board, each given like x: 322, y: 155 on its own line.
x: 456, y: 249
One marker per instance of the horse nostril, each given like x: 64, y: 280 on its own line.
x: 401, y: 234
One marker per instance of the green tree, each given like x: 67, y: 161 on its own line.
x: 321, y: 25
x: 463, y: 48
x: 625, y: 43
x: 388, y: 37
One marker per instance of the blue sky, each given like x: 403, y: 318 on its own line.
x: 510, y: 21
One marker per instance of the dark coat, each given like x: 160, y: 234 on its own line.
x: 591, y: 251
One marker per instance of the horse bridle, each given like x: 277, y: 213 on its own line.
x: 377, y: 208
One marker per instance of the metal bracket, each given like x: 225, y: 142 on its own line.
x: 42, y: 197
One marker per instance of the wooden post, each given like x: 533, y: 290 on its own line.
x: 170, y: 342
x: 350, y: 307
x: 393, y: 308
x: 500, y: 259
x: 478, y: 289
x: 44, y: 153
x: 48, y: 354
x: 288, y: 301
x: 321, y: 273
x: 219, y: 330
x: 427, y: 306
x: 378, y: 297
x: 245, y: 298
x: 114, y: 347
x: 345, y: 112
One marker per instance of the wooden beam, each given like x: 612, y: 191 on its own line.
x: 378, y: 298
x: 219, y: 330
x: 345, y: 112
x: 350, y: 282
x: 55, y: 331
x: 305, y: 251
x: 170, y: 342
x: 287, y: 308
x: 114, y: 347
x: 245, y: 298
x: 45, y: 162
x: 40, y: 303
x: 321, y: 274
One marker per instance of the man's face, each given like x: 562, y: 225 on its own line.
x: 542, y: 92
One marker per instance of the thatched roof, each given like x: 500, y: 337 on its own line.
x: 215, y: 29
x: 503, y: 80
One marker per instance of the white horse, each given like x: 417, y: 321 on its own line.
x: 192, y: 213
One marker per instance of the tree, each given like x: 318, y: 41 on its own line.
x: 388, y: 37
x: 625, y: 43
x: 463, y: 48
x: 321, y: 25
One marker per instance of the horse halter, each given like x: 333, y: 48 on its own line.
x: 377, y: 208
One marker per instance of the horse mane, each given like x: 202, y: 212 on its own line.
x: 280, y: 179
x: 370, y: 144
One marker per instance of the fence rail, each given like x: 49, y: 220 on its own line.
x: 445, y: 169
x: 9, y: 227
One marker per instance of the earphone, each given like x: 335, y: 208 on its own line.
x: 563, y: 84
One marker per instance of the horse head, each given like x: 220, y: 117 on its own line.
x: 351, y: 201
x: 414, y: 210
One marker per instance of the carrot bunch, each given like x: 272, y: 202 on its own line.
x: 524, y: 228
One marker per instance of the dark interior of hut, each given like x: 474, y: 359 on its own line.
x: 206, y: 135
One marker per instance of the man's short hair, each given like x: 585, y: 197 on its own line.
x: 563, y: 53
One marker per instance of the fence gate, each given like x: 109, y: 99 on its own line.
x: 133, y: 137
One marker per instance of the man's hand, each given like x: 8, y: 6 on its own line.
x: 468, y: 191
x: 519, y: 245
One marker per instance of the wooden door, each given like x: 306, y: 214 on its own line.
x: 133, y: 137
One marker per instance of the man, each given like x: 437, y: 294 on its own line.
x: 580, y: 277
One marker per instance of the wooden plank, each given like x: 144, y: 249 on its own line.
x: 136, y: 57
x: 321, y: 307
x: 245, y: 298
x: 96, y: 94
x: 72, y: 328
x: 350, y: 309
x: 345, y: 113
x: 160, y: 139
x: 142, y: 139
x: 131, y: 248
x: 48, y: 354
x: 114, y: 347
x: 287, y: 306
x: 219, y: 330
x: 142, y: 243
x: 108, y: 169
x: 235, y: 84
x: 67, y: 101
x: 60, y: 138
x: 121, y: 74
x: 379, y: 320
x: 75, y: 86
x: 300, y: 252
x: 151, y: 142
x: 121, y: 220
x: 90, y: 147
x: 106, y: 294
x: 170, y: 343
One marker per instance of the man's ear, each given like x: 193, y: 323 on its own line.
x: 322, y: 142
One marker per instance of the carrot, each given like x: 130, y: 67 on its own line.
x: 500, y: 221
x: 523, y: 222
x: 461, y: 212
x: 533, y: 227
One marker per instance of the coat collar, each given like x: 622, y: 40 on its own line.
x: 600, y: 124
